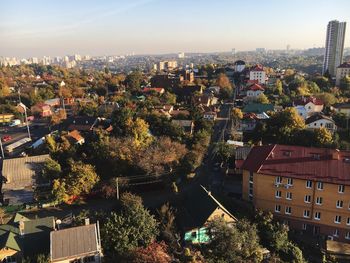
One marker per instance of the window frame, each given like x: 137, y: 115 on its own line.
x: 308, y: 213
x: 341, y: 202
x: 308, y: 182
x: 319, y: 198
x: 280, y: 194
x: 307, y: 201
x: 317, y: 217
x: 279, y: 208
x: 278, y: 179
x: 337, y: 219
x: 288, y: 210
x: 320, y: 184
x: 341, y: 189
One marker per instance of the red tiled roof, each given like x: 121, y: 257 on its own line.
x: 304, y: 101
x: 318, y: 164
x: 257, y: 67
x: 256, y: 87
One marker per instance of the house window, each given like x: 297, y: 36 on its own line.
x: 336, y: 232
x: 319, y: 185
x: 340, y: 204
x: 194, y: 234
x: 318, y: 215
x: 347, y: 235
x: 288, y: 210
x: 307, y: 199
x: 89, y: 259
x: 278, y: 194
x: 307, y: 213
x: 277, y: 208
x: 348, y: 221
x: 329, y: 125
x: 278, y: 180
x: 304, y: 226
x: 308, y: 184
x: 319, y: 200
x: 289, y: 196
x: 341, y: 188
x: 290, y: 181
x: 337, y: 219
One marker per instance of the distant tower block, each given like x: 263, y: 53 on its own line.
x: 233, y: 51
x: 288, y: 47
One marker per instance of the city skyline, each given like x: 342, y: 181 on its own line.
x: 36, y: 28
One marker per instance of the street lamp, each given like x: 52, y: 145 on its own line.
x: 26, y: 117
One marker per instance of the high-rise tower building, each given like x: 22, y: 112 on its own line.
x: 334, y: 46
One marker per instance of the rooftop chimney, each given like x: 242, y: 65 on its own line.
x: 21, y: 227
x: 87, y: 221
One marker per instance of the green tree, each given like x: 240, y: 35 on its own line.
x: 328, y: 98
x: 322, y: 82
x: 223, y: 151
x: 59, y: 191
x: 4, y: 89
x: 139, y: 130
x: 51, y: 169
x: 169, y: 98
x: 133, y: 227
x: 237, y: 243
x: 282, y: 125
x: 81, y: 179
x: 236, y: 115
x: 262, y: 99
x: 323, y: 137
x: 133, y: 80
x: 120, y: 118
x: 279, y: 87
x: 292, y: 253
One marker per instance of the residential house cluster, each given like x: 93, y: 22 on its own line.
x: 23, y: 237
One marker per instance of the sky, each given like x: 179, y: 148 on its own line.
x: 105, y: 27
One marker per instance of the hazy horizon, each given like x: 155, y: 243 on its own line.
x: 56, y: 28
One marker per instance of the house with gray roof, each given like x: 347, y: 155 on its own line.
x: 76, y: 244
x: 19, y: 178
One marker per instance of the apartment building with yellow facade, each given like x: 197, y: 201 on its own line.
x: 308, y: 188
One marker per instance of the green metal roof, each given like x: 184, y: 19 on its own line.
x: 258, y: 108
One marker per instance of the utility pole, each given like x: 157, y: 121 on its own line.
x: 2, y: 150
x: 117, y: 184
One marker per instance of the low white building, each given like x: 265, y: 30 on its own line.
x: 317, y: 121
x: 239, y: 66
x: 308, y: 106
x: 258, y: 73
x: 254, y: 91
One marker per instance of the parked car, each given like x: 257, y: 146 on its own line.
x: 6, y: 138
